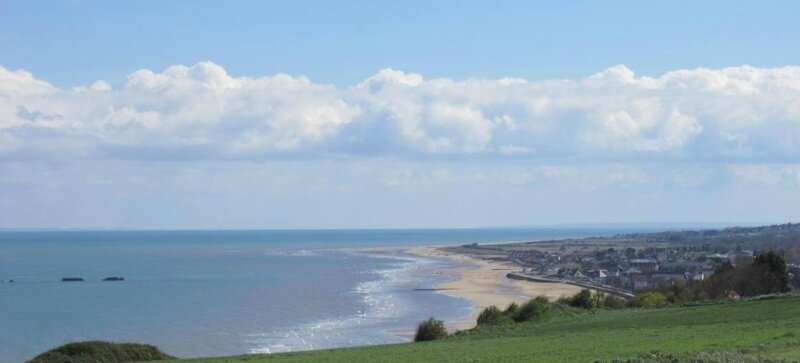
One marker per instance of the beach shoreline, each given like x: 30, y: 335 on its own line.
x: 483, y: 282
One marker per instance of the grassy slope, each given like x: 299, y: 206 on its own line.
x: 769, y: 327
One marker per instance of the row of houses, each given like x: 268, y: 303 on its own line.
x: 653, y: 267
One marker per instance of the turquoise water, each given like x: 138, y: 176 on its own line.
x: 205, y: 293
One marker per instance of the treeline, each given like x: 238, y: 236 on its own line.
x: 778, y: 232
x: 534, y: 310
x: 538, y: 309
x: 765, y: 275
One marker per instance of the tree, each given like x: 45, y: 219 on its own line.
x: 723, y: 280
x: 430, y: 329
x: 770, y: 269
x: 598, y: 298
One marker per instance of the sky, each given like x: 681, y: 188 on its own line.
x: 371, y: 114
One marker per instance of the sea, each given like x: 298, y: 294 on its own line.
x: 213, y: 293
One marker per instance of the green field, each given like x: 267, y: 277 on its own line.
x: 746, y: 331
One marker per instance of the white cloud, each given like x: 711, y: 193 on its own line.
x: 769, y: 175
x: 100, y: 85
x: 580, y: 177
x: 200, y: 111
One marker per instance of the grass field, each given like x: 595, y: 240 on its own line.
x: 746, y: 331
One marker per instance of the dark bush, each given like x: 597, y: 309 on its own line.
x: 100, y: 352
x: 492, y: 316
x: 770, y: 270
x: 511, y: 310
x: 583, y: 299
x: 430, y: 329
x: 535, y: 309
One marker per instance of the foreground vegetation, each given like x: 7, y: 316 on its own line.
x: 100, y: 352
x: 766, y: 329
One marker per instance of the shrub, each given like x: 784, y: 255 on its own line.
x: 651, y: 300
x: 98, y: 351
x: 511, y: 310
x: 430, y: 329
x: 491, y: 316
x: 533, y: 310
x: 583, y: 299
x: 613, y: 302
x: 564, y: 300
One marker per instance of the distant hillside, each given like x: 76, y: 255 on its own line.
x: 778, y: 234
x: 778, y: 237
x: 764, y: 330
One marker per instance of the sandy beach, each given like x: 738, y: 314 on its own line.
x: 484, y: 283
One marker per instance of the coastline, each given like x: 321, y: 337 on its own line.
x: 484, y: 283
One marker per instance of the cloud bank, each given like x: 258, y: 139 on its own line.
x: 737, y: 114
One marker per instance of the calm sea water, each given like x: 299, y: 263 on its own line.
x: 205, y: 293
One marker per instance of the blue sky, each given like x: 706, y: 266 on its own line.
x: 303, y: 114
x: 75, y: 42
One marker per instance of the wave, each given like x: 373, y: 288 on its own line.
x: 385, y: 308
